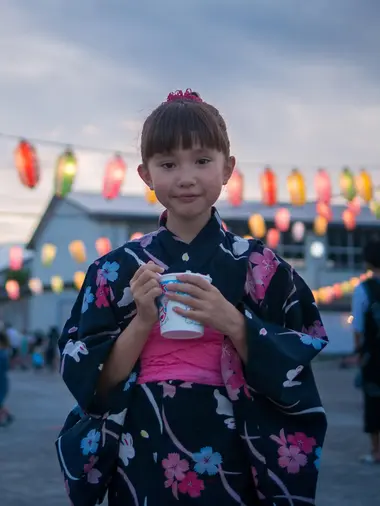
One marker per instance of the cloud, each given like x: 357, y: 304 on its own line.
x: 296, y: 81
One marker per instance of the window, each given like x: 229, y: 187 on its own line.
x: 345, y: 248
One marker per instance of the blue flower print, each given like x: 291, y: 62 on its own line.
x: 132, y: 379
x: 317, y: 461
x: 207, y: 461
x: 316, y: 342
x: 108, y: 272
x: 88, y: 297
x: 90, y: 443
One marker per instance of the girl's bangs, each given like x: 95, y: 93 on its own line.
x: 182, y: 126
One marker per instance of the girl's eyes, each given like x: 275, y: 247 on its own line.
x: 203, y: 161
x: 168, y: 165
x: 171, y: 165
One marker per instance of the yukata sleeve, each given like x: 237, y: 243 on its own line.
x: 284, y: 331
x: 88, y: 337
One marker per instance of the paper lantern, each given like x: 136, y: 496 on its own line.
x: 235, y: 188
x: 16, y: 258
x: 315, y: 295
x: 48, y: 254
x: 337, y: 289
x: 257, y: 226
x: 136, y: 236
x: 65, y: 173
x: 114, y: 177
x: 57, y: 284
x: 298, y: 231
x: 12, y: 288
x: 150, y: 196
x: 347, y: 184
x: 354, y: 206
x: 27, y: 165
x: 282, y: 219
x: 79, y: 277
x: 349, y: 219
x: 268, y: 183
x: 323, y: 187
x: 103, y: 246
x: 324, y: 210
x: 375, y: 208
x: 364, y: 185
x: 248, y: 237
x: 273, y: 238
x: 296, y: 188
x: 35, y: 286
x: 78, y: 251
x: 354, y: 282
x: 320, y: 225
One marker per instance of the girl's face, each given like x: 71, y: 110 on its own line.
x: 188, y: 182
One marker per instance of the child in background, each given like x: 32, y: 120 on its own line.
x: 231, y: 418
x: 5, y: 417
x: 38, y: 361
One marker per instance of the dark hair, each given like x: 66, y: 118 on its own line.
x: 181, y: 123
x: 4, y: 341
x: 371, y: 253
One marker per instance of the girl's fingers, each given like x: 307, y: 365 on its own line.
x: 187, y: 288
x: 186, y: 300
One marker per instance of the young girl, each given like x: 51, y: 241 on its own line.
x: 231, y: 418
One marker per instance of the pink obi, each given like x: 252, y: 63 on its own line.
x: 190, y: 360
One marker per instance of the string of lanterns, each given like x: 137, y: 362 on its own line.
x: 327, y: 294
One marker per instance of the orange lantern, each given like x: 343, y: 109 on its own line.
x: 57, y: 284
x: 27, y: 165
x: 79, y: 277
x: 35, y: 286
x: 273, y: 238
x: 296, y: 188
x: 78, y: 251
x: 347, y: 184
x: 150, y: 196
x: 282, y: 219
x: 324, y: 210
x: 268, y: 182
x: 364, y: 185
x: 235, y: 188
x: 12, y: 288
x: 136, y: 236
x: 323, y: 187
x: 349, y: 219
x: 257, y: 226
x: 298, y: 231
x: 114, y: 177
x: 48, y: 253
x: 320, y: 225
x: 337, y: 289
x: 16, y: 258
x: 103, y: 246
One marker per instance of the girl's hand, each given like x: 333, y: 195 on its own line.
x: 207, y: 306
x: 145, y: 288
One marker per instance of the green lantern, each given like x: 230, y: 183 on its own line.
x: 347, y: 184
x: 65, y: 172
x: 375, y: 208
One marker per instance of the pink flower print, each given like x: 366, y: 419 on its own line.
x: 175, y: 468
x: 316, y: 330
x: 280, y: 440
x: 147, y: 239
x: 304, y: 443
x: 259, y: 276
x: 291, y: 459
x: 101, y: 294
x: 263, y: 332
x: 191, y: 485
x: 93, y: 475
x: 168, y: 389
x: 72, y: 330
x: 232, y: 372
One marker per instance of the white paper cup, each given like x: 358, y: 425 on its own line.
x: 173, y: 325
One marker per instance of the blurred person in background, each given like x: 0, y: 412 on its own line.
x: 15, y: 339
x: 5, y: 417
x: 51, y: 350
x: 38, y: 352
x: 366, y: 323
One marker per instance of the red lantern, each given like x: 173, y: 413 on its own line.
x: 337, y: 290
x: 323, y: 187
x: 354, y: 206
x: 349, y: 219
x: 235, y: 188
x: 12, y: 288
x: 27, y: 164
x: 268, y: 182
x: 103, y: 246
x: 324, y: 210
x: 282, y: 219
x: 114, y: 177
x: 273, y: 238
x: 16, y: 258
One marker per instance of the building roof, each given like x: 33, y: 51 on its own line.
x: 135, y: 206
